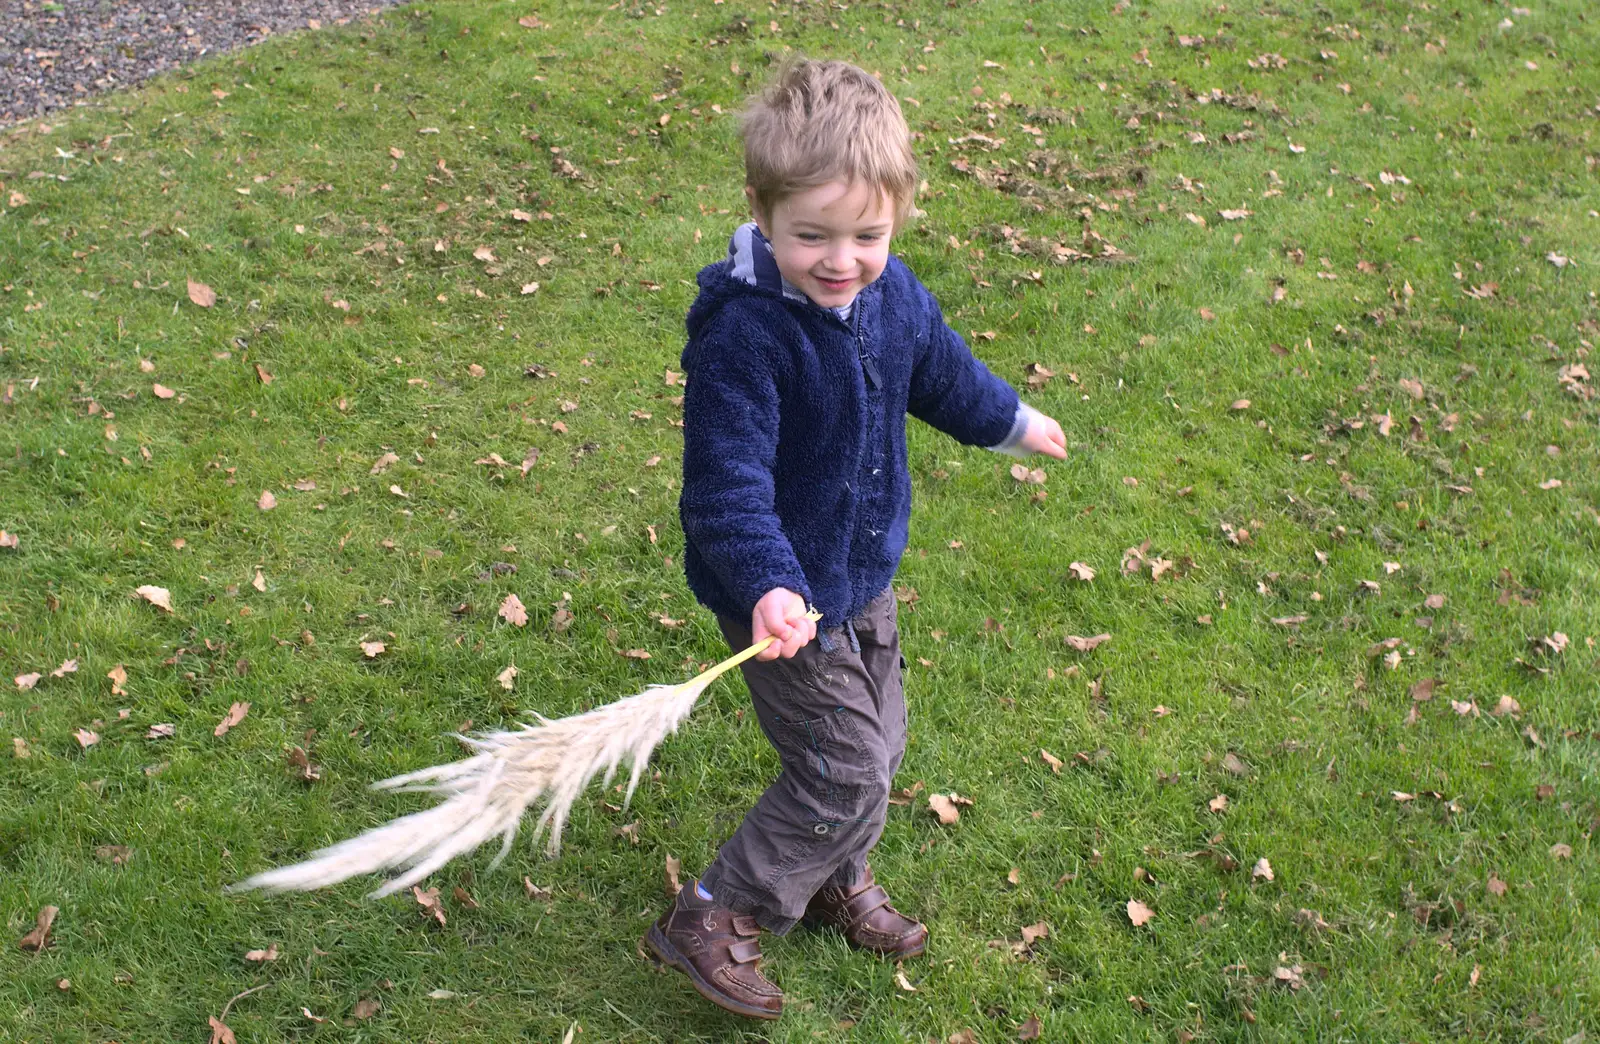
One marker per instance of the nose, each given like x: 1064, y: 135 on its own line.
x: 839, y: 258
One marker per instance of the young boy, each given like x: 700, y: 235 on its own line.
x: 807, y: 347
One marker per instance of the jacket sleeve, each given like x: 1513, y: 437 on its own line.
x: 730, y: 447
x: 952, y: 390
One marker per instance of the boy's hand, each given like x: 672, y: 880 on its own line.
x: 782, y: 613
x: 1045, y: 436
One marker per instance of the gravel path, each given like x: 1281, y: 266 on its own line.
x: 55, y: 53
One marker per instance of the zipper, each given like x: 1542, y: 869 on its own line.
x: 868, y: 368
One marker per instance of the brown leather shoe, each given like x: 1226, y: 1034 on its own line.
x: 719, y: 951
x: 863, y: 914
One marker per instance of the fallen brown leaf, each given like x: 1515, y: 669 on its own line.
x: 1051, y: 760
x: 1030, y: 1029
x: 27, y: 681
x: 39, y: 938
x: 267, y: 501
x: 86, y: 738
x: 220, y: 1033
x: 431, y: 907
x: 201, y: 294
x: 263, y: 956
x: 1139, y: 913
x: 944, y: 808
x: 670, y: 874
x: 119, y: 678
x: 507, y: 678
x: 513, y: 612
x: 372, y: 649
x: 235, y: 715
x: 1423, y: 690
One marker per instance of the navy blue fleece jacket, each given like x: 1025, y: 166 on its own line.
x: 794, y: 465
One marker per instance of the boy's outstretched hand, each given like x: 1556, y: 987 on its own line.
x: 1045, y: 436
x: 782, y: 613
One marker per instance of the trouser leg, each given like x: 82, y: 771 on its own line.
x: 836, y: 715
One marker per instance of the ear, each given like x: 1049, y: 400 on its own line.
x: 762, y: 221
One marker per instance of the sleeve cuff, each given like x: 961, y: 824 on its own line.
x: 1011, y: 445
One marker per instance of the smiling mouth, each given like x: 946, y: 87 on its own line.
x: 834, y: 283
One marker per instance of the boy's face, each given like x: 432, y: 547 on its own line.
x: 830, y: 240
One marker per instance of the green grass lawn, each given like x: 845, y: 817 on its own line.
x: 1409, y: 307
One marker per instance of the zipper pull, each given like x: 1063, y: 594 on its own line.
x: 871, y: 371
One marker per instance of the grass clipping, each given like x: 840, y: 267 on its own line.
x: 486, y: 795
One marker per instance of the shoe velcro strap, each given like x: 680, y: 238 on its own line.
x: 744, y: 924
x: 745, y: 951
x: 856, y: 908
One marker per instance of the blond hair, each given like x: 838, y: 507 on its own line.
x: 824, y: 121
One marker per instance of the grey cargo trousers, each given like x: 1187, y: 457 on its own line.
x: 836, y: 713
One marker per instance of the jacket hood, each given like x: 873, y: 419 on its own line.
x: 749, y: 268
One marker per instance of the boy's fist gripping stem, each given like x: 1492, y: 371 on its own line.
x: 781, y: 614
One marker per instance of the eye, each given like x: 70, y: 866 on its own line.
x: 869, y: 237
x: 810, y: 237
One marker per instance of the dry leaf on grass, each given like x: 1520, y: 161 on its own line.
x: 1262, y: 870
x: 159, y: 597
x: 9, y: 540
x: 201, y: 294
x: 27, y: 681
x: 944, y: 808
x: 261, y: 956
x: 366, y: 1007
x: 670, y: 875
x: 234, y: 716
x: 382, y: 464
x: 1051, y: 760
x: 1080, y: 572
x: 1506, y: 705
x: 1138, y: 913
x: 1030, y: 1029
x: 86, y: 738
x: 161, y: 391
x: 429, y: 901
x: 67, y: 667
x: 37, y: 939
x: 119, y: 678
x: 901, y: 981
x: 1087, y: 644
x: 372, y: 649
x: 267, y: 501
x: 1218, y: 803
x: 513, y: 612
x: 162, y: 731
x: 220, y: 1033
x: 507, y: 677
x: 1560, y: 850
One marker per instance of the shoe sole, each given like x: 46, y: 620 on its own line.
x: 817, y: 924
x: 668, y: 955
